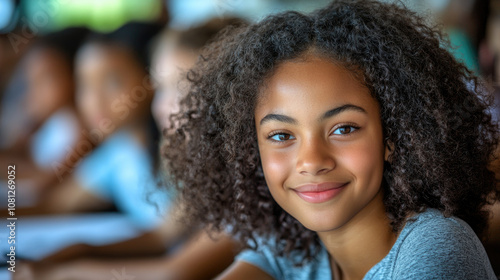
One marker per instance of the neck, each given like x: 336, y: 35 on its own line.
x: 361, y: 243
x: 139, y: 132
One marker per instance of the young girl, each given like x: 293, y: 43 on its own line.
x: 344, y: 144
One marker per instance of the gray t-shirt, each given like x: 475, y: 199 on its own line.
x: 430, y: 246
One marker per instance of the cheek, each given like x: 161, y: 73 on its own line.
x: 365, y: 161
x: 170, y: 104
x: 158, y: 105
x: 90, y: 106
x: 163, y: 106
x: 277, y: 166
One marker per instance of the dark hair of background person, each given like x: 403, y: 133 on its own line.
x: 480, y: 14
x: 135, y: 36
x: 66, y: 41
x: 443, y: 135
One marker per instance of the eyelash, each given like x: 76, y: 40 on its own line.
x: 346, y: 125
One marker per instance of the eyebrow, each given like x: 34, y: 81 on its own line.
x: 340, y: 109
x: 279, y: 118
x: 326, y: 115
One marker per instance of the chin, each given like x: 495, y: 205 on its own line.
x: 319, y: 222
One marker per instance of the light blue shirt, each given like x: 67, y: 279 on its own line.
x: 55, y: 138
x: 429, y: 247
x: 120, y: 170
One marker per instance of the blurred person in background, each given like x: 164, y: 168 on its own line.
x: 473, y: 27
x: 202, y: 256
x: 490, y: 62
x: 12, y: 86
x: 54, y: 127
x: 175, y: 53
x: 465, y: 23
x: 9, y: 57
x: 490, y: 57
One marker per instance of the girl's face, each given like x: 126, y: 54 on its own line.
x: 320, y: 140
x: 110, y: 87
x: 49, y: 80
x: 168, y: 66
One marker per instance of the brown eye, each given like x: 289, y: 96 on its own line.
x: 344, y: 130
x: 284, y: 137
x: 281, y: 137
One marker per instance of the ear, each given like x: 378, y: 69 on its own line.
x: 389, y: 148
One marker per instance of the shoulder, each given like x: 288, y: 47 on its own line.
x: 266, y: 259
x: 444, y: 247
x: 120, y: 149
x: 241, y: 270
x: 431, y: 229
x: 63, y: 119
x: 118, y: 157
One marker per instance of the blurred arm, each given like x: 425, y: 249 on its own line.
x: 201, y: 258
x: 244, y: 271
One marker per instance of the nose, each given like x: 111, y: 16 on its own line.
x: 315, y: 157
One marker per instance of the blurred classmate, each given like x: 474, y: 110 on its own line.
x: 176, y: 52
x: 201, y: 257
x: 12, y: 86
x: 456, y: 18
x: 53, y: 130
x: 492, y: 45
x: 9, y: 57
x: 490, y: 48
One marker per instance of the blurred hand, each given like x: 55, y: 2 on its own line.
x: 24, y: 271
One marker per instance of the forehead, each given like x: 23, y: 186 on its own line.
x: 170, y: 62
x: 45, y: 57
x: 95, y: 54
x: 312, y: 82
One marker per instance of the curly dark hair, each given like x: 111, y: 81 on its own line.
x: 433, y: 110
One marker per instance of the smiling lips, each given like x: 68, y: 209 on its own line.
x: 318, y: 193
